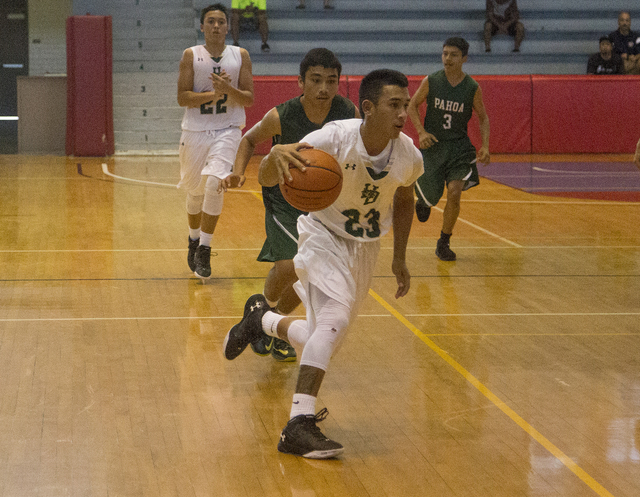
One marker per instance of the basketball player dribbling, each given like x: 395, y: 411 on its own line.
x: 338, y: 246
x: 288, y: 123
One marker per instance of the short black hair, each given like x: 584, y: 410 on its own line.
x: 320, y: 57
x: 604, y: 38
x: 211, y: 8
x: 372, y: 84
x: 458, y: 42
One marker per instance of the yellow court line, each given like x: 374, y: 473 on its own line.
x: 535, y: 434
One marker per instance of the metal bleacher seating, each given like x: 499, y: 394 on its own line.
x: 407, y: 35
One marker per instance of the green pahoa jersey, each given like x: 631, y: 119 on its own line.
x: 449, y: 108
x: 295, y: 125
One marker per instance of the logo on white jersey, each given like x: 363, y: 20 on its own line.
x: 370, y: 193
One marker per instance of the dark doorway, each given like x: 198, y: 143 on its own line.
x: 14, y: 61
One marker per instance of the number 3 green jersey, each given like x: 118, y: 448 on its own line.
x: 449, y: 108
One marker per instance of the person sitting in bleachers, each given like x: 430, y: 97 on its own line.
x: 503, y: 17
x: 250, y: 14
x: 606, y: 61
x: 627, y: 44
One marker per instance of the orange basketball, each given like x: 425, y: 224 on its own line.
x: 316, y: 188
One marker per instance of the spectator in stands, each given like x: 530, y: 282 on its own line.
x: 503, y: 17
x: 627, y: 44
x: 327, y: 4
x: 250, y: 14
x: 605, y: 61
x: 636, y: 158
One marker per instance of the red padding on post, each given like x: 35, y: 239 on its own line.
x: 585, y: 114
x: 89, y: 86
x: 269, y: 91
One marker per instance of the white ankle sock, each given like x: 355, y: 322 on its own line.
x: 302, y: 404
x: 205, y: 238
x: 194, y: 233
x: 270, y: 322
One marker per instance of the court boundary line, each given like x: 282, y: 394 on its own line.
x: 389, y: 315
x: 105, y: 170
x: 587, y: 173
x: 495, y: 400
x: 257, y: 249
x: 482, y: 230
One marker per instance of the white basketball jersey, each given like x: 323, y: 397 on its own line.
x: 223, y: 114
x: 364, y: 209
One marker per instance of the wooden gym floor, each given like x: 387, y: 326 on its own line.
x: 514, y: 371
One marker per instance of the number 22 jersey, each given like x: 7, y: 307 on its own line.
x: 222, y: 114
x: 364, y: 208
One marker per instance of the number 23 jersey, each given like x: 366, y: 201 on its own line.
x: 221, y: 114
x: 364, y: 208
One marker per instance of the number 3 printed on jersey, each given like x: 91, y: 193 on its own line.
x: 447, y: 121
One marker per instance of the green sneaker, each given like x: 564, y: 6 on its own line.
x: 263, y: 346
x: 282, y: 351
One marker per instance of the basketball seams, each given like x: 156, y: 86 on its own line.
x: 331, y: 172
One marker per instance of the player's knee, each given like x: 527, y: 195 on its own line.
x: 454, y: 190
x: 331, y: 327
x: 194, y: 203
x: 212, y: 204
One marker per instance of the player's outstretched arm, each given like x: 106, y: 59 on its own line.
x: 483, y: 119
x: 275, y: 166
x: 263, y: 130
x: 402, y: 219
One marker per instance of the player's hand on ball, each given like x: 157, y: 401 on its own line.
x: 286, y: 155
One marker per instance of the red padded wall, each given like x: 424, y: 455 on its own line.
x: 269, y: 91
x: 89, y: 86
x: 585, y: 114
x: 508, y: 103
x: 507, y: 100
x: 527, y: 114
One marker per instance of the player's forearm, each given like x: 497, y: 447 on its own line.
x: 241, y: 97
x: 414, y: 115
x: 402, y: 219
x: 484, y: 131
x: 195, y: 99
x: 245, y: 152
x: 268, y: 171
